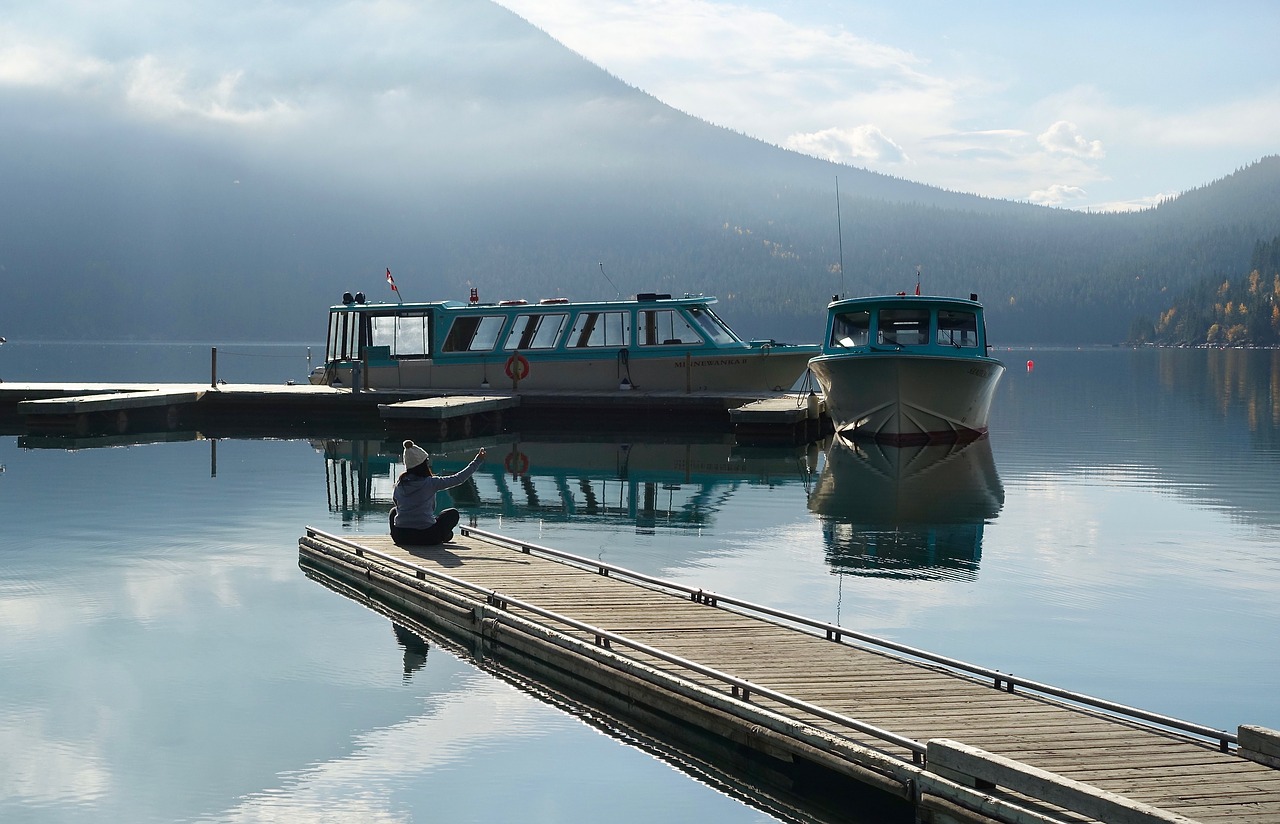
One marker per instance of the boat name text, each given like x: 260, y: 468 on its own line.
x: 711, y: 362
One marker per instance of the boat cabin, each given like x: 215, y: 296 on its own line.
x: 900, y: 323
x: 452, y: 330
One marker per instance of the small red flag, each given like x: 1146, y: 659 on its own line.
x: 392, y: 281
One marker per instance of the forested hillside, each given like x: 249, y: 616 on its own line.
x: 1243, y: 310
x: 508, y: 179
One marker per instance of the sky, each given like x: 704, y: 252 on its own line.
x: 1084, y: 105
x: 1087, y: 105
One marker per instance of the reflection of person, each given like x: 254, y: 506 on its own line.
x: 415, y: 649
x: 414, y: 520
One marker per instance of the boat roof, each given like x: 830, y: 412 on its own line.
x: 643, y: 298
x: 902, y: 299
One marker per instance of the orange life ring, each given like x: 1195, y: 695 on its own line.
x: 517, y: 367
x: 516, y: 462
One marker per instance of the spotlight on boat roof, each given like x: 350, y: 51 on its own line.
x: 359, y: 297
x: 347, y: 299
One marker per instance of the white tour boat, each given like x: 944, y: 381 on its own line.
x: 907, y: 369
x: 652, y: 342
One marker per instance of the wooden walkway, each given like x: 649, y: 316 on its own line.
x: 933, y: 733
x: 82, y: 409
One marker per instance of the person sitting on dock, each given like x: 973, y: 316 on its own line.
x: 414, y: 520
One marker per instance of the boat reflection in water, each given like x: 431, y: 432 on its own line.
x: 645, y: 484
x: 906, y: 511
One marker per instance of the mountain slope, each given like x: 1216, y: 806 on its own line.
x: 504, y: 162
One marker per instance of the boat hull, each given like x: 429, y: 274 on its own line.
x: 900, y: 398
x: 755, y: 369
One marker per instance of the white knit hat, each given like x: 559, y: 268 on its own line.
x: 414, y: 455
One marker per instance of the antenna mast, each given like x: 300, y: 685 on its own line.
x: 840, y: 234
x: 617, y: 292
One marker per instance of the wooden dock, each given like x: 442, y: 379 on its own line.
x: 457, y: 416
x: 79, y: 410
x: 788, y: 419
x: 110, y: 411
x: 959, y: 742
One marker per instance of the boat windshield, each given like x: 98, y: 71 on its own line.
x: 711, y: 324
x: 959, y: 329
x: 904, y: 327
x: 344, y: 330
x: 404, y: 336
x: 850, y: 329
x: 399, y: 336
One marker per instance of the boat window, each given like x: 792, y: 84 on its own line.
x: 342, y: 338
x: 403, y: 336
x: 536, y: 331
x: 711, y: 325
x: 851, y: 329
x: 957, y: 328
x: 473, y: 333
x: 382, y: 331
x: 659, y: 327
x: 412, y: 338
x: 345, y: 336
x: 599, y: 329
x: 905, y: 327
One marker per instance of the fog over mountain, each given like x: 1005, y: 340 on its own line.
x: 461, y: 147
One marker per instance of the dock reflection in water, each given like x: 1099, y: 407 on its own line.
x: 647, y: 485
x: 909, y: 511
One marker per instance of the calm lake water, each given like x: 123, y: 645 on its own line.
x: 163, y: 658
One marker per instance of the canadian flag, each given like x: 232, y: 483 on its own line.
x: 392, y: 281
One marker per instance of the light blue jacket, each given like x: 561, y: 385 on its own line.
x: 415, y: 495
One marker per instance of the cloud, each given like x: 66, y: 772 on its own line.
x: 136, y: 79
x: 845, y: 145
x: 1057, y: 195
x: 1134, y: 205
x: 1064, y: 137
x: 46, y: 66
x: 164, y: 91
x: 987, y: 145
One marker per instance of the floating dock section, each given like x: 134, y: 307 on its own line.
x: 80, y: 410
x: 115, y: 412
x: 784, y: 419
x: 951, y: 741
x: 457, y: 416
